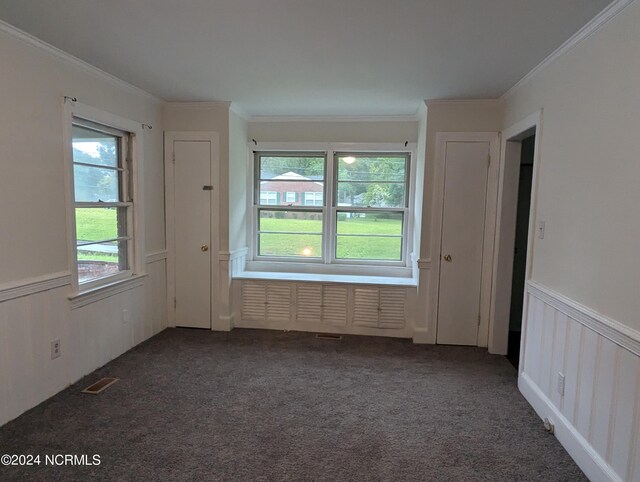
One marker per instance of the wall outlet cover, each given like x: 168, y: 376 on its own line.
x: 55, y: 349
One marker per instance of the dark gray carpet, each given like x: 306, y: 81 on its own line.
x: 264, y: 405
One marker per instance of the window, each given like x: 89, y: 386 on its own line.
x: 371, y: 194
x: 356, y: 215
x: 285, y: 231
x: 268, y: 197
x: 313, y: 198
x: 103, y: 201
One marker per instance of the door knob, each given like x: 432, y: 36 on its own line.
x: 204, y: 247
x: 447, y: 257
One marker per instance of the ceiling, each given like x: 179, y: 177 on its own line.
x: 309, y: 57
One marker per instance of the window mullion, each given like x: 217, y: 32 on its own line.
x: 329, y: 231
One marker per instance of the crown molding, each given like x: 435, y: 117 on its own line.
x: 482, y: 102
x: 364, y: 118
x: 74, y: 61
x: 209, y: 104
x: 585, y: 32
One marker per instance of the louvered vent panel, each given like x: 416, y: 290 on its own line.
x: 309, y: 303
x: 278, y: 302
x: 392, y: 303
x: 334, y: 305
x: 365, y: 307
x: 254, y: 297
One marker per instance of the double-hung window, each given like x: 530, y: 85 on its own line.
x: 285, y: 230
x: 371, y: 205
x: 103, y: 202
x: 336, y: 207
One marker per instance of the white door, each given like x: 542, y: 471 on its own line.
x: 466, y: 167
x: 192, y: 224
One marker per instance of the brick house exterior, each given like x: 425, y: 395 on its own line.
x: 291, y: 188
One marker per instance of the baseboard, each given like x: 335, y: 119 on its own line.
x: 225, y: 323
x: 422, y: 337
x: 591, y: 463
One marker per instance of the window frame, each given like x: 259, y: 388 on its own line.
x: 335, y: 209
x: 256, y: 207
x: 329, y: 262
x: 131, y: 192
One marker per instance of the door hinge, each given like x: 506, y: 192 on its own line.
x: 175, y: 303
x: 173, y: 157
x: 488, y: 159
x: 478, y: 319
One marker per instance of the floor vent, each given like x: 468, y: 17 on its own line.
x: 100, y: 385
x: 328, y: 336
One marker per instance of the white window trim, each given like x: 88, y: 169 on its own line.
x: 286, y: 196
x: 329, y: 263
x: 137, y: 261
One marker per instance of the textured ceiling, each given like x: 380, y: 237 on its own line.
x: 309, y: 57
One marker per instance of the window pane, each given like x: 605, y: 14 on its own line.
x: 371, y: 168
x: 281, y: 193
x: 290, y: 222
x: 94, y: 147
x: 369, y: 247
x: 382, y: 223
x: 361, y: 194
x: 101, y: 260
x: 299, y: 245
x: 292, y: 167
x: 99, y: 224
x: 93, y: 184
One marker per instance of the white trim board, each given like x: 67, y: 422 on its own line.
x: 105, y: 291
x: 591, y: 463
x: 29, y: 286
x: 610, y: 12
x: 311, y: 118
x: 76, y: 62
x: 613, y: 330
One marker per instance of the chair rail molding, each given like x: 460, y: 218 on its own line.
x: 33, y: 285
x: 613, y: 330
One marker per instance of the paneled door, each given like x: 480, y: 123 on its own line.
x: 192, y: 196
x: 466, y: 167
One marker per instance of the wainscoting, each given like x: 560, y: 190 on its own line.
x: 35, y: 312
x: 598, y: 418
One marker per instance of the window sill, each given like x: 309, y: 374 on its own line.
x: 86, y: 297
x: 327, y: 278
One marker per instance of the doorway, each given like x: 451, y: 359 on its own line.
x: 515, y: 228
x: 191, y: 161
x: 519, y: 267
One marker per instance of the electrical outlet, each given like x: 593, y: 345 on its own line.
x: 541, y: 230
x: 55, y: 349
x: 560, y: 384
x: 126, y: 316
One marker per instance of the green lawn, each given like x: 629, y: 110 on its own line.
x: 95, y: 224
x: 99, y: 223
x: 354, y: 247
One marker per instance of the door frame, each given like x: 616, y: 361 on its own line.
x: 499, y: 324
x: 437, y: 203
x: 169, y: 138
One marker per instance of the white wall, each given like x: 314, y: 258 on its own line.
x: 589, y: 198
x: 589, y: 169
x: 238, y: 172
x: 334, y: 131
x: 34, y: 280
